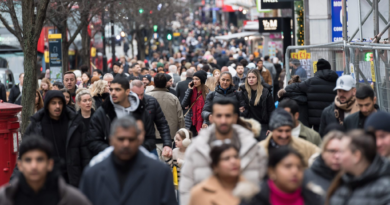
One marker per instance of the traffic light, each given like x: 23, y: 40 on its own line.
x: 141, y: 11
x: 369, y: 56
x: 169, y: 35
x: 155, y: 27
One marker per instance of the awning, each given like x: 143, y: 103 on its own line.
x: 237, y: 35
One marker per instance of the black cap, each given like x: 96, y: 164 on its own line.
x: 202, y: 75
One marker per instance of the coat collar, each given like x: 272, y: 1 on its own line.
x: 217, y: 193
x: 160, y: 89
x: 303, y: 132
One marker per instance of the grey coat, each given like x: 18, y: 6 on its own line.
x: 372, y: 187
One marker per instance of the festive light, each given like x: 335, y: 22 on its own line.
x: 299, y: 11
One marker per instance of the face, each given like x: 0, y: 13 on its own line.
x: 55, y: 108
x: 116, y: 69
x: 139, y: 91
x: 47, y: 73
x: 145, y: 72
x: 79, y: 80
x: 196, y: 81
x: 240, y: 70
x: 217, y: 74
x: 67, y: 97
x: 108, y: 79
x: 36, y: 98
x: 95, y: 74
x: 85, y: 102
x: 225, y: 81
x: 35, y: 165
x: 229, y: 164
x: 85, y: 77
x: 70, y: 81
x: 288, y: 174
x: 383, y: 142
x: 169, y: 83
x: 345, y: 96
x: 331, y: 154
x: 282, y: 135
x: 21, y: 78
x: 366, y: 105
x: 178, y: 141
x: 260, y: 65
x: 118, y: 94
x: 252, y: 79
x: 137, y: 69
x: 123, y: 60
x: 224, y: 117
x: 125, y: 143
x: 44, y: 86
x: 348, y: 159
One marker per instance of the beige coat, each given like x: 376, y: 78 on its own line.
x: 305, y: 148
x: 171, y: 108
x: 196, y: 167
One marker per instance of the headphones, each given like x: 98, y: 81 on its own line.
x: 187, y: 140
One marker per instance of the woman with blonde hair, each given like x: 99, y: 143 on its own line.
x: 45, y: 86
x: 211, y: 82
x: 216, y: 74
x: 99, y: 91
x: 259, y: 103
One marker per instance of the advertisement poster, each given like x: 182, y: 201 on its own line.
x: 305, y: 60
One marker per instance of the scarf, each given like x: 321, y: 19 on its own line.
x: 197, y: 108
x: 278, y: 197
x: 340, y: 108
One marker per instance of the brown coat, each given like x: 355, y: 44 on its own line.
x: 305, y: 148
x: 266, y: 76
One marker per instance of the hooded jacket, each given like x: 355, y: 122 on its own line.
x: 100, y: 125
x: 75, y: 136
x: 372, y: 187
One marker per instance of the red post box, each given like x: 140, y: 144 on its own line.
x: 8, y: 140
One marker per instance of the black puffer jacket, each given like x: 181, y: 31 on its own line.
x: 85, y: 151
x: 218, y: 94
x: 301, y: 99
x: 100, y: 126
x: 372, y: 187
x: 319, y: 92
x: 328, y: 117
x: 157, y: 116
x: 266, y: 105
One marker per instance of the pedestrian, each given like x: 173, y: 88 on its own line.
x: 98, y: 73
x: 86, y: 77
x: 240, y: 77
x: 211, y: 83
x: 44, y: 87
x: 109, y: 78
x: 136, y: 68
x: 100, y: 92
x: 363, y: 170
x: 281, y: 124
x: 182, y: 86
x: 70, y: 83
x: 278, y: 68
x: 15, y: 95
x: 225, y: 180
x: 170, y: 84
x: 37, y: 182
x: 270, y: 67
x: 68, y: 100
x: 57, y: 85
x: 224, y: 89
x: 38, y: 101
x: 174, y: 75
x: 121, y: 102
x: 160, y: 68
x: 158, y: 118
x: 344, y: 103
x: 61, y: 127
x: 258, y: 101
x: 264, y: 73
x: 298, y: 70
x: 377, y: 124
x: 319, y: 92
x: 148, y: 83
x: 300, y: 130
x: 284, y: 185
x: 170, y: 106
x: 197, y: 168
x: 366, y: 100
x: 194, y: 101
x: 127, y: 175
x: 216, y: 74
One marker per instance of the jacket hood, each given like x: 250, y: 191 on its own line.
x: 133, y: 99
x: 328, y: 75
x: 321, y: 169
x: 54, y: 94
x: 380, y: 167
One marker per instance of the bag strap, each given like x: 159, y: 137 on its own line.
x: 192, y: 105
x: 19, y: 96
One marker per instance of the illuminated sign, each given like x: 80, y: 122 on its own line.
x: 270, y: 25
x: 275, y: 4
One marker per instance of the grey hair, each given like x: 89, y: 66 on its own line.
x: 136, y: 83
x: 172, y: 69
x: 190, y: 73
x: 125, y: 122
x: 108, y: 75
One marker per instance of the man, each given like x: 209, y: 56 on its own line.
x: 378, y: 125
x: 223, y: 130
x: 366, y: 100
x: 70, y: 83
x: 281, y: 125
x: 270, y: 66
x: 58, y: 85
x: 124, y: 64
x: 121, y: 103
x: 224, y: 69
x: 297, y: 69
x: 136, y: 68
x: 144, y: 71
x: 299, y: 129
x: 65, y: 131
x: 318, y: 90
x: 15, y: 95
x: 98, y: 73
x: 182, y: 86
x: 169, y: 84
x: 154, y: 66
x: 173, y: 73
x: 116, y: 69
x: 160, y: 68
x: 128, y: 176
x: 240, y: 77
x: 264, y: 73
x: 170, y: 106
x: 222, y: 59
x: 344, y: 103
x: 3, y: 93
x: 157, y: 116
x: 109, y: 78
x: 37, y: 183
x: 199, y: 67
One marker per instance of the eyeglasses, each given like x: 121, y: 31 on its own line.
x: 218, y: 143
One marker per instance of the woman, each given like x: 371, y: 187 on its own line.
x: 218, y: 189
x: 224, y: 89
x: 216, y: 74
x: 258, y: 101
x: 194, y: 101
x: 99, y: 91
x: 183, y: 69
x: 284, y: 186
x: 85, y: 108
x: 211, y: 83
x: 68, y: 99
x: 86, y: 78
x: 38, y: 101
x: 45, y: 86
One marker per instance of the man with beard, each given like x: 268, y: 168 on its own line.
x: 157, y: 116
x: 344, y: 104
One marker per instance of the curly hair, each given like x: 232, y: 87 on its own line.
x: 98, y: 87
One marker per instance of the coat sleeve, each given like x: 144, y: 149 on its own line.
x: 11, y: 97
x: 244, y: 114
x: 207, y: 107
x: 84, y: 151
x: 187, y: 98
x: 323, y: 123
x: 186, y: 177
x: 269, y: 79
x: 179, y: 110
x: 96, y: 142
x: 168, y: 195
x: 162, y: 125
x: 85, y: 185
x: 3, y: 93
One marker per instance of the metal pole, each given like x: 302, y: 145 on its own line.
x: 376, y: 19
x: 360, y: 21
x: 112, y: 36
x: 344, y: 13
x: 377, y: 77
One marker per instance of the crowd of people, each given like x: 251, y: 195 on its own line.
x: 220, y: 128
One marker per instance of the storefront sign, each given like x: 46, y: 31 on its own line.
x: 306, y: 63
x: 274, y: 4
x: 267, y: 25
x: 337, y: 19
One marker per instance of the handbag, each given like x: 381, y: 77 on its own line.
x: 192, y: 105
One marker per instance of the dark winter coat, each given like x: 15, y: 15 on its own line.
x: 149, y: 182
x: 184, y: 103
x: 356, y: 120
x: 327, y: 117
x: 219, y: 94
x: 301, y: 99
x: 85, y: 151
x: 99, y: 99
x: 157, y: 116
x: 3, y: 92
x: 13, y: 95
x: 372, y: 187
x: 319, y: 92
x: 266, y: 103
x: 181, y: 89
x: 237, y: 80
